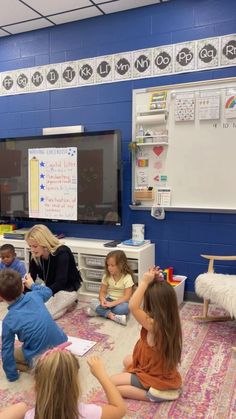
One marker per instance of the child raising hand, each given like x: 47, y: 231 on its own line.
x: 116, y: 289
x: 151, y: 372
x: 57, y: 389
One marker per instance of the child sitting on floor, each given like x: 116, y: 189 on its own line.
x: 58, y: 389
x: 10, y: 261
x: 151, y: 372
x: 116, y: 289
x: 29, y: 320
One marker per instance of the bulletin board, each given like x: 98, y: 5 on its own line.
x: 185, y: 144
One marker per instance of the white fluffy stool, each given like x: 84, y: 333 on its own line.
x: 219, y: 289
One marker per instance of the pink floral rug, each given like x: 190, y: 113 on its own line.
x: 208, y: 370
x: 208, y: 367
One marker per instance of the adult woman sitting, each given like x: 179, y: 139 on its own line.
x: 54, y: 264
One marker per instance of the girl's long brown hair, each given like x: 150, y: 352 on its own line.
x: 57, y: 386
x: 160, y: 303
x: 121, y: 262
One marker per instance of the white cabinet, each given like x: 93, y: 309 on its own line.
x: 90, y: 255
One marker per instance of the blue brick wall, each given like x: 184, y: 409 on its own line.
x: 181, y: 237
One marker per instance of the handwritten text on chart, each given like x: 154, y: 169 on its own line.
x: 53, y: 182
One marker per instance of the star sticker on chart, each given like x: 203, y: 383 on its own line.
x: 42, y: 186
x: 42, y: 176
x: 42, y: 164
x: 42, y: 199
x: 71, y: 152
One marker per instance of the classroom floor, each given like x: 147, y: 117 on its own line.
x: 208, y: 365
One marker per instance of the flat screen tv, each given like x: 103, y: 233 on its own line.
x: 68, y: 177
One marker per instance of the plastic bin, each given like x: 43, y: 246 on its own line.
x: 92, y: 286
x: 94, y: 274
x: 133, y: 264
x: 94, y: 261
x: 179, y: 288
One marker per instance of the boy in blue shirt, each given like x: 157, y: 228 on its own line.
x: 29, y: 320
x: 9, y: 259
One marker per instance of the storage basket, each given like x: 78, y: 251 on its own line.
x: 94, y: 261
x: 94, y: 273
x: 179, y: 288
x: 92, y: 286
x: 133, y: 264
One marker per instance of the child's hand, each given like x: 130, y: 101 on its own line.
x: 103, y: 302
x: 96, y: 365
x: 153, y: 273
x: 108, y: 304
x: 28, y: 281
x: 149, y: 276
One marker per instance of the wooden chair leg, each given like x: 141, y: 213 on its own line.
x: 205, y: 307
x: 207, y: 318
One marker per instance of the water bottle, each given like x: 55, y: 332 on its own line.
x: 140, y: 134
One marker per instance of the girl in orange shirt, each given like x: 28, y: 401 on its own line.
x: 151, y: 372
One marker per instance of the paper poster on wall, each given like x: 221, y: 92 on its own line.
x: 86, y: 71
x: 8, y: 83
x: 104, y: 69
x: 142, y: 178
x: 69, y: 74
x: 209, y: 105
x: 53, y: 76
x: 142, y: 60
x: 228, y: 55
x: 52, y: 183
x: 230, y: 106
x: 184, y: 56
x: 163, y: 60
x: 207, y: 53
x: 123, y: 66
x: 37, y: 79
x: 184, y: 107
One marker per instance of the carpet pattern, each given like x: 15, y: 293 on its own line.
x: 208, y: 366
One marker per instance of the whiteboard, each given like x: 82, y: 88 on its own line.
x: 198, y: 163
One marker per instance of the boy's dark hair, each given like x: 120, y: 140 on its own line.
x: 7, y: 246
x: 10, y: 284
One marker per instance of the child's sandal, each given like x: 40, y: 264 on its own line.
x: 155, y: 395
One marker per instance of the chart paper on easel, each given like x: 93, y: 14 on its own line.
x: 52, y: 183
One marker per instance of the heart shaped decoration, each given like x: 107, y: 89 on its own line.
x: 158, y: 150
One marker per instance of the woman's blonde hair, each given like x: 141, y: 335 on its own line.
x: 160, y: 303
x: 57, y: 386
x: 43, y: 237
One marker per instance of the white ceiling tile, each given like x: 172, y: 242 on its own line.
x: 76, y: 15
x: 105, y: 1
x: 119, y: 5
x: 28, y: 26
x: 50, y: 7
x: 13, y: 11
x: 2, y: 33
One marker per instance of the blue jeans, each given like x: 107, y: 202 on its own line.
x: 122, y: 308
